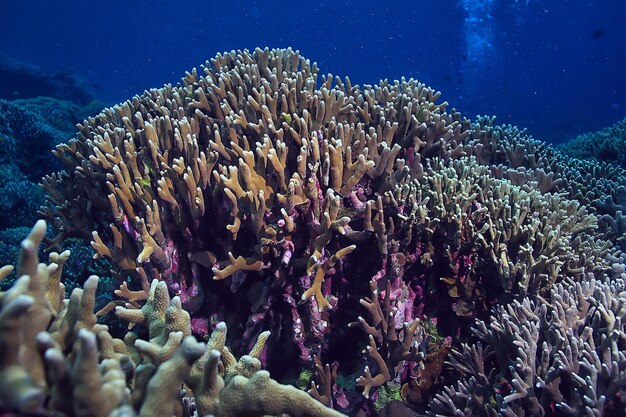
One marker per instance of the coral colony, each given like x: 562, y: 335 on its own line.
x: 271, y: 229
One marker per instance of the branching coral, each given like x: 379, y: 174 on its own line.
x: 61, y: 362
x: 251, y: 172
x: 530, y: 163
x: 255, y: 183
x: 566, y: 354
x: 389, y: 347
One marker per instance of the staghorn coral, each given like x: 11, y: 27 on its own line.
x: 475, y: 234
x: 262, y: 195
x: 58, y: 361
x: 249, y: 172
x: 389, y: 347
x: 512, y: 154
x: 539, y: 357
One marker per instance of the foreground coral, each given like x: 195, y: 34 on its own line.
x: 538, y: 358
x: 330, y: 215
x: 56, y: 360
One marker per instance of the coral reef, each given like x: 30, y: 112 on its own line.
x: 606, y: 145
x: 18, y: 126
x: 20, y: 80
x: 538, y: 357
x: 57, y: 360
x: 514, y: 155
x: 27, y: 124
x: 343, y: 218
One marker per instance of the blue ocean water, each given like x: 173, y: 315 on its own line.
x: 554, y: 67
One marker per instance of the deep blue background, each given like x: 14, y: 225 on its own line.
x: 556, y: 67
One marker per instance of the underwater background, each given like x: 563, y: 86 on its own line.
x: 443, y: 233
x: 555, y: 68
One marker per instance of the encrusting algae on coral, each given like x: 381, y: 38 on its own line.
x: 331, y: 223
